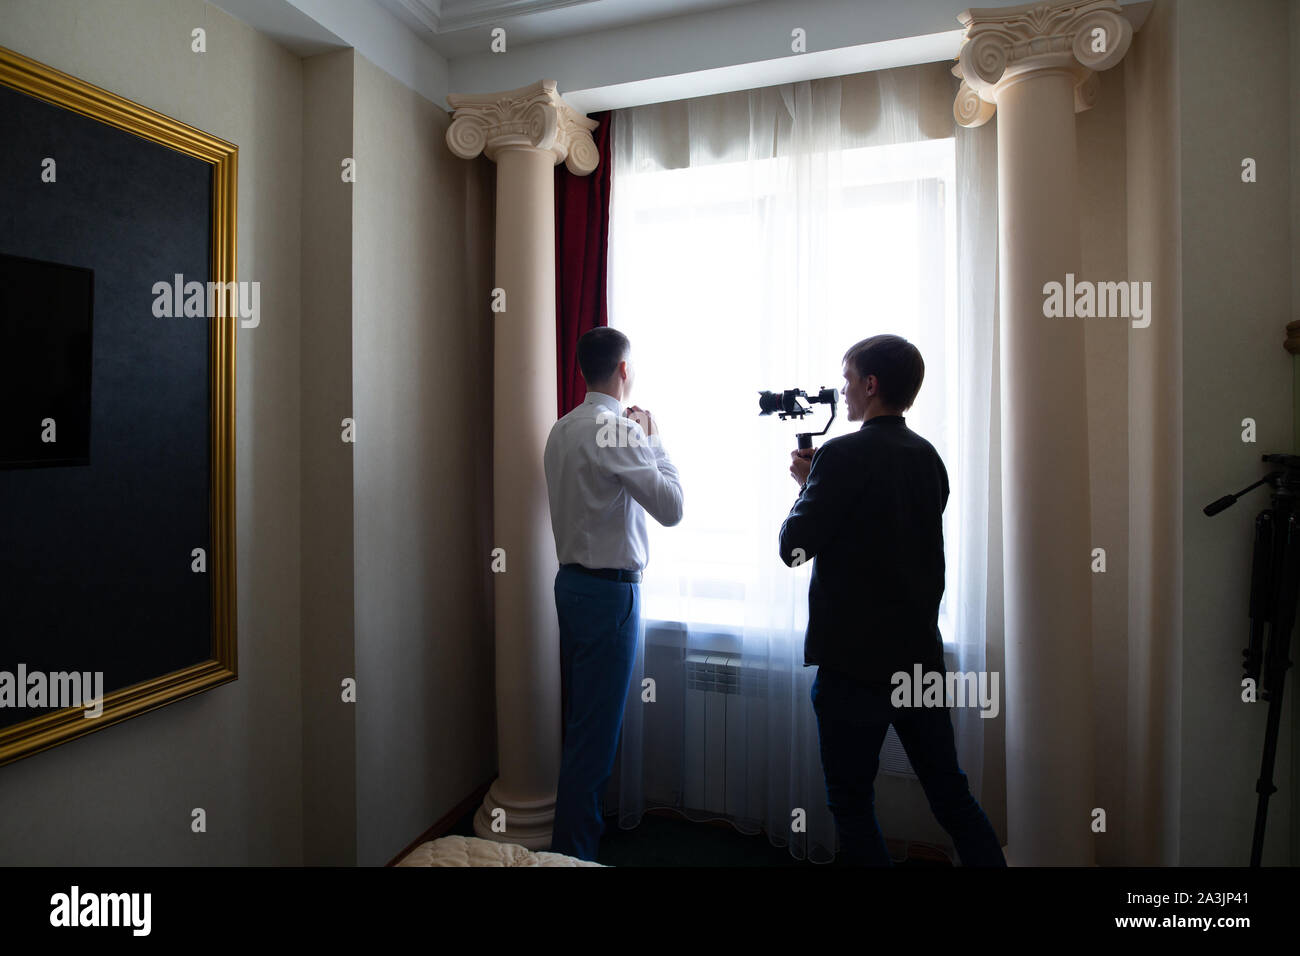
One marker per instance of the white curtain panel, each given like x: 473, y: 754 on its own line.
x: 754, y: 237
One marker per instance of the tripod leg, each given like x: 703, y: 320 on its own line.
x: 1263, y: 585
x: 1273, y: 676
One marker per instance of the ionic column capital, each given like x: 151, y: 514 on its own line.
x: 1003, y: 44
x: 531, y: 117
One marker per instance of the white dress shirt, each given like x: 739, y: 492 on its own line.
x: 602, y: 475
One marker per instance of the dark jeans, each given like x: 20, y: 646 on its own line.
x: 599, y: 621
x: 852, y: 720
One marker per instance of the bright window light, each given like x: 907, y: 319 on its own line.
x: 735, y: 277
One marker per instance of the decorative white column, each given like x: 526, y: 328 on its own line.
x: 526, y: 132
x: 1034, y: 64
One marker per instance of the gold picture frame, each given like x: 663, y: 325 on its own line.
x: 43, y: 82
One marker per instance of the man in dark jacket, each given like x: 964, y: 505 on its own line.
x: 870, y: 518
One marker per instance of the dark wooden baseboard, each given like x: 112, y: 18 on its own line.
x: 445, y: 822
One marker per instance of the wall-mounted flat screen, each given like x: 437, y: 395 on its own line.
x: 45, y: 362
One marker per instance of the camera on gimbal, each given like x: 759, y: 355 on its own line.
x: 787, y: 404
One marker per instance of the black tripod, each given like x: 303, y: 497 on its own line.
x: 1275, y: 571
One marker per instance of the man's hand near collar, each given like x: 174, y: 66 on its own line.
x: 642, y: 418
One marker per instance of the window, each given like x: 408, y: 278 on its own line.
x: 731, y: 278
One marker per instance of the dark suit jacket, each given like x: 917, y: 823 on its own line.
x: 870, y: 518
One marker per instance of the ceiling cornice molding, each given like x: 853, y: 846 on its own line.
x: 447, y: 16
x: 426, y: 12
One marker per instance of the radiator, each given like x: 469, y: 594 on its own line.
x: 722, y: 699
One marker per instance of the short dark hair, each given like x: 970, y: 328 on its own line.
x: 599, y: 352
x: 896, y: 363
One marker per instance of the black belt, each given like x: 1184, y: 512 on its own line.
x: 609, y: 574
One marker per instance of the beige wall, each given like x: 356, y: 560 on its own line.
x: 124, y: 794
x: 1234, y: 82
x: 422, y: 397
x: 329, y: 793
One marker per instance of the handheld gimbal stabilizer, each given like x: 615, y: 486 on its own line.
x: 1274, y: 580
x: 787, y: 405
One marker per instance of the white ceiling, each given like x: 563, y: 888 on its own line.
x: 285, y: 23
x: 461, y: 27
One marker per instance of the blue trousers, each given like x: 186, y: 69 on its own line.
x: 599, y: 621
x: 852, y: 720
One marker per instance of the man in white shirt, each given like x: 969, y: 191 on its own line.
x: 604, y: 471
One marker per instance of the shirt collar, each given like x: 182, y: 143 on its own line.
x: 884, y: 420
x: 600, y: 398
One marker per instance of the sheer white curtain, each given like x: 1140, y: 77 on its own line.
x: 753, y: 238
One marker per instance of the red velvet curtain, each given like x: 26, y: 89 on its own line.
x: 581, y: 243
